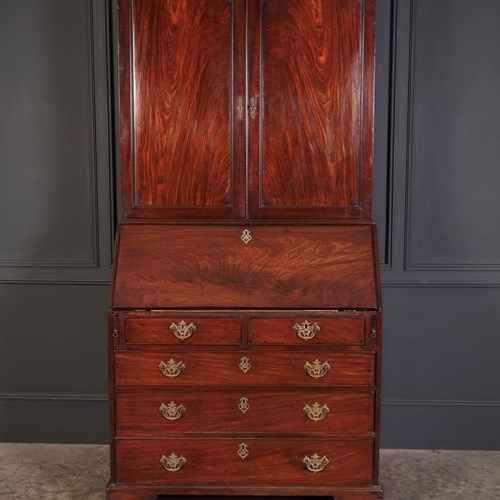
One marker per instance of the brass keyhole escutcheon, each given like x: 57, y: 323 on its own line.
x: 245, y: 236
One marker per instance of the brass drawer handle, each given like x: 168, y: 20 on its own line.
x: 182, y: 330
x: 173, y: 463
x: 172, y: 411
x: 306, y: 331
x: 315, y: 463
x: 171, y: 368
x: 244, y: 405
x: 316, y: 412
x: 245, y: 364
x: 317, y: 369
x: 243, y: 451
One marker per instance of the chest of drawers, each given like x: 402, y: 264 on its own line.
x: 234, y: 397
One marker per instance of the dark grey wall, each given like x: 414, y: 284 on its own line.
x: 55, y: 220
x: 436, y: 203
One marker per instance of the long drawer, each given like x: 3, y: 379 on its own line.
x: 245, y: 368
x: 245, y: 461
x: 240, y: 411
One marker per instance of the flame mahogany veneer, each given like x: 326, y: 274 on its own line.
x: 245, y: 310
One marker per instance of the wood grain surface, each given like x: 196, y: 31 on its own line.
x: 182, y: 90
x: 162, y: 266
x: 209, y: 369
x: 218, y: 411
x: 271, y: 461
x: 156, y: 330
x: 333, y: 330
x: 308, y: 66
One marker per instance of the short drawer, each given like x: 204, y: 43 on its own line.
x: 245, y: 461
x: 185, y: 329
x: 177, y: 368
x: 306, y: 329
x: 243, y: 411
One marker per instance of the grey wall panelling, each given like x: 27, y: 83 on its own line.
x: 56, y: 218
x: 440, y: 276
x: 435, y: 200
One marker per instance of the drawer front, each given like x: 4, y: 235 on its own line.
x: 241, y: 411
x: 308, y: 330
x: 247, y: 368
x: 245, y: 461
x: 182, y: 330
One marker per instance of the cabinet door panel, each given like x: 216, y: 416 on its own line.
x: 310, y: 144
x: 180, y: 151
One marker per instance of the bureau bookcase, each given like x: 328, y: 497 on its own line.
x: 245, y: 312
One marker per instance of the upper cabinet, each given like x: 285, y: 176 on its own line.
x: 246, y: 109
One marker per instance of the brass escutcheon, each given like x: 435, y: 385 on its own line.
x: 315, y: 463
x: 245, y: 364
x: 244, y: 405
x: 245, y: 236
x: 253, y: 107
x: 172, y: 411
x: 306, y: 331
x: 316, y: 412
x: 240, y: 108
x: 317, y: 369
x: 171, y: 368
x: 243, y: 451
x: 173, y: 463
x: 182, y: 330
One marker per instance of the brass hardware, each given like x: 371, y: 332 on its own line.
x: 172, y: 411
x: 373, y: 334
x: 245, y: 364
x: 171, y: 368
x: 306, y: 331
x: 240, y: 108
x: 245, y: 236
x: 115, y: 333
x: 173, y: 463
x: 243, y: 451
x: 316, y: 412
x: 244, y: 405
x: 317, y: 369
x: 253, y: 107
x: 183, y: 331
x: 315, y: 463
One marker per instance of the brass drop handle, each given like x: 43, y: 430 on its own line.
x: 317, y: 369
x: 315, y: 463
x: 172, y: 411
x: 171, y: 368
x: 173, y: 463
x: 306, y: 331
x: 316, y: 412
x: 182, y: 330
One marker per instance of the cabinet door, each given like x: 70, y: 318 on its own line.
x: 182, y: 147
x: 311, y: 78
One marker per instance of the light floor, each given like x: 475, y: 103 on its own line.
x: 80, y: 472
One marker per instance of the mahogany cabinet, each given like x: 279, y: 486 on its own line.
x: 245, y: 311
